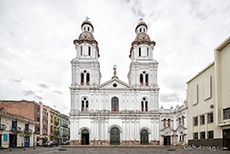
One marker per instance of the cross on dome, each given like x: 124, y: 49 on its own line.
x: 141, y: 19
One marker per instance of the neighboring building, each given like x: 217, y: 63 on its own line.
x: 15, y: 131
x: 55, y: 125
x: 116, y: 112
x: 64, y: 129
x: 173, y: 127
x: 209, y: 101
x: 31, y: 110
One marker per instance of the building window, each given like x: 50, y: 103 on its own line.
x: 210, y: 117
x: 115, y: 104
x: 81, y: 50
x: 87, y: 78
x: 84, y: 76
x: 89, y: 51
x: 164, y: 122
x: 226, y: 113
x: 195, y: 120
x: 202, y: 135
x: 14, y: 125
x: 27, y: 127
x: 38, y: 110
x: 179, y: 120
x: 195, y: 135
x: 140, y: 30
x: 139, y: 52
x: 169, y: 122
x: 38, y: 119
x: 141, y: 79
x: 202, y: 120
x: 88, y: 28
x: 147, y: 51
x: 84, y: 104
x: 183, y: 120
x: 144, y: 105
x: 146, y: 79
x: 210, y: 134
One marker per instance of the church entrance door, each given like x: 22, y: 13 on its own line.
x: 85, y: 137
x: 167, y: 140
x: 144, y: 137
x: 115, y: 136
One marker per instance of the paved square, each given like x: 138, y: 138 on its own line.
x: 109, y: 150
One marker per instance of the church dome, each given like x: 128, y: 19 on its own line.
x: 142, y: 37
x: 86, y: 36
x: 141, y: 24
x: 87, y: 22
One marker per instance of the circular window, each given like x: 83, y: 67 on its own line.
x: 144, y: 99
x: 84, y: 71
x: 114, y: 85
x: 144, y: 72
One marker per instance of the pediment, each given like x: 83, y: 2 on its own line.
x: 166, y: 131
x: 181, y: 129
x: 115, y: 83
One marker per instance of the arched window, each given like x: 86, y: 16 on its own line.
x: 88, y: 28
x: 87, y: 78
x: 139, y: 52
x: 81, y: 50
x: 84, y: 104
x: 169, y: 122
x: 146, y: 79
x: 164, y: 122
x: 140, y: 29
x: 183, y: 120
x: 147, y: 51
x: 89, y: 51
x: 115, y: 104
x: 144, y: 105
x: 144, y: 29
x: 141, y: 79
x: 82, y: 78
x: 179, y: 120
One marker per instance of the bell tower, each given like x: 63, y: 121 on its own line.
x: 143, y: 68
x: 85, y: 66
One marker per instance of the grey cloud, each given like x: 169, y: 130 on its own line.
x: 58, y: 92
x: 28, y: 92
x: 16, y: 80
x: 38, y: 97
x: 136, y: 9
x: 43, y: 86
x: 173, y: 97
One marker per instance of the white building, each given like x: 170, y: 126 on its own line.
x: 114, y: 112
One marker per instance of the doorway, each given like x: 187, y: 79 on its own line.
x: 144, y: 137
x: 167, y: 140
x: 27, y: 141
x: 13, y: 140
x: 226, y: 138
x: 85, y: 137
x: 115, y: 136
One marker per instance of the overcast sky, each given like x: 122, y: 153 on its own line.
x: 36, y: 43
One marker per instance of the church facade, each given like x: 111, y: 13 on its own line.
x: 115, y: 112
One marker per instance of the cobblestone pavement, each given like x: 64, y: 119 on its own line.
x: 109, y: 150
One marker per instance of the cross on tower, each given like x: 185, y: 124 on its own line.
x: 114, y: 70
x: 141, y: 19
x: 87, y: 18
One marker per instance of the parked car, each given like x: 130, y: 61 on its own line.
x: 51, y: 144
x: 65, y: 143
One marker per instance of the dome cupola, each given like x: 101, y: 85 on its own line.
x: 87, y: 26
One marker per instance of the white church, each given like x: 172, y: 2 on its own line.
x: 115, y: 112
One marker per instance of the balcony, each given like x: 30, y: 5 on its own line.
x: 2, y: 127
x: 56, y: 123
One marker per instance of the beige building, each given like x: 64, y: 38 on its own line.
x: 209, y: 101
x: 16, y: 131
x: 55, y: 118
